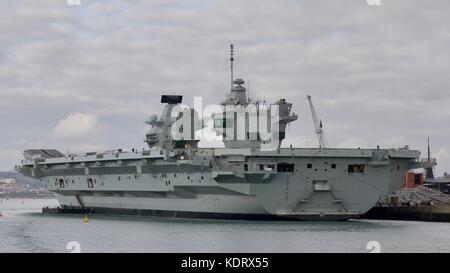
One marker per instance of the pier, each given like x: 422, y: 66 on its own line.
x: 415, y: 204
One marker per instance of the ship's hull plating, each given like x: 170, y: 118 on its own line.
x: 314, y: 188
x: 209, y: 207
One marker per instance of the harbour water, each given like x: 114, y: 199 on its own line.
x: 24, y: 229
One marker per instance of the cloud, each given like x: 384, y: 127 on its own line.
x: 442, y: 153
x: 78, y: 132
x: 355, y: 142
x: 393, y: 142
x: 76, y: 126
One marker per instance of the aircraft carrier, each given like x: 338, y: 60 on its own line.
x: 251, y: 177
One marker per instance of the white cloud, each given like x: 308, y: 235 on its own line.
x: 394, y: 142
x: 9, y: 158
x: 76, y: 126
x: 353, y: 142
x: 77, y: 133
x: 442, y: 153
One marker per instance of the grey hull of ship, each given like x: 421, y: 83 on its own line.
x: 325, y: 190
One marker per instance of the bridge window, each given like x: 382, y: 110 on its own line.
x: 356, y: 168
x: 333, y: 166
x: 245, y: 167
x: 309, y: 166
x: 284, y: 167
x: 220, y: 123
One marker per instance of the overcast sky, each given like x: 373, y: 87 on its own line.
x: 84, y: 78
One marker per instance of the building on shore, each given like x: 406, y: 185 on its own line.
x: 7, y: 181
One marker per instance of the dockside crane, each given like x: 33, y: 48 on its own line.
x: 317, y: 125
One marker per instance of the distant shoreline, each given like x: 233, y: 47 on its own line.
x: 27, y: 197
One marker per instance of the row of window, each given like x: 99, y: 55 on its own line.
x: 287, y: 167
x: 174, y: 175
x: 91, y: 181
x: 281, y: 167
x: 309, y: 166
x: 62, y: 182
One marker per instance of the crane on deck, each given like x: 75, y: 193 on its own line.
x: 317, y: 125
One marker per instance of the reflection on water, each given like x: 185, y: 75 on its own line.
x: 24, y: 229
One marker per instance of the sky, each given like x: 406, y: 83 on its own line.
x: 85, y: 77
